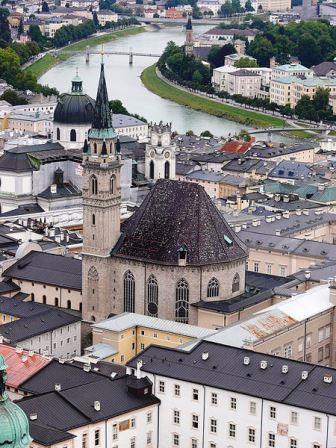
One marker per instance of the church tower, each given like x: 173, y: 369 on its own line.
x: 101, y: 205
x: 189, y: 42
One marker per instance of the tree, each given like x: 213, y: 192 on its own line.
x: 206, y: 134
x: 226, y: 9
x: 197, y: 77
x: 95, y: 19
x: 248, y: 6
x: 45, y: 7
x: 321, y: 99
x: 13, y: 98
x: 308, y: 51
x: 262, y: 50
x: 196, y: 12
x: 217, y: 54
x: 35, y: 34
x: 5, y: 33
x: 246, y: 62
x: 20, y: 28
x: 305, y: 109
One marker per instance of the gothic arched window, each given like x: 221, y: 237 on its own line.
x: 151, y: 169
x: 73, y: 135
x: 69, y: 304
x: 152, y: 296
x: 94, y: 185
x: 93, y: 274
x: 236, y: 283
x: 213, y: 288
x: 44, y: 299
x: 167, y: 170
x: 129, y: 292
x: 112, y: 184
x: 182, y: 301
x: 93, y: 219
x: 58, y: 134
x: 95, y: 148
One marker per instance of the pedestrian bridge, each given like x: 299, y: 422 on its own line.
x: 129, y: 53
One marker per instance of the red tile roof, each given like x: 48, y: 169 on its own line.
x: 21, y: 366
x: 236, y: 146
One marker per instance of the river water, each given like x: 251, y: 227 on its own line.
x: 124, y: 82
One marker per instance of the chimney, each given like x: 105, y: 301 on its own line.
x: 307, y: 275
x: 327, y: 378
x: 278, y: 232
x: 86, y: 367
x: 205, y: 356
x: 263, y: 365
x: 33, y: 417
x: 58, y: 239
x: 237, y: 228
x: 320, y: 187
x: 96, y: 405
x: 138, y: 369
x: 284, y: 369
x: 305, y: 212
x: 24, y: 357
x: 19, y: 349
x: 57, y: 387
x: 268, y: 218
x: 285, y: 214
x: 304, y: 375
x: 52, y: 232
x: 255, y: 223
x: 246, y: 360
x: 286, y: 198
x: 298, y: 212
x: 332, y: 290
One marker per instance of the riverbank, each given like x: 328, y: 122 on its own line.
x: 246, y: 117
x: 51, y: 59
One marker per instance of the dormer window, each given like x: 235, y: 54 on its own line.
x: 182, y: 255
x: 228, y: 240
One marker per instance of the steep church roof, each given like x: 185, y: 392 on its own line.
x: 176, y: 215
x: 102, y: 126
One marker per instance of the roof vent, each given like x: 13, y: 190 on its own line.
x: 327, y: 378
x: 113, y: 375
x: 96, y: 405
x: 284, y: 369
x: 246, y: 360
x: 33, y: 417
x: 61, y: 360
x: 263, y: 365
x: 57, y: 387
x: 31, y: 353
x: 205, y: 356
x: 86, y: 367
x: 304, y: 375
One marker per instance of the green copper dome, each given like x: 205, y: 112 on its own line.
x: 14, y: 425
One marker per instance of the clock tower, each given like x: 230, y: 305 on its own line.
x: 160, y: 160
x: 101, y: 205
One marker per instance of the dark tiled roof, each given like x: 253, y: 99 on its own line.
x: 49, y: 269
x: 65, y: 190
x: 324, y: 68
x: 175, y: 214
x: 28, y: 327
x: 8, y: 286
x: 13, y: 306
x: 48, y: 436
x: 224, y: 369
x: 66, y: 374
x: 23, y: 210
x: 73, y: 408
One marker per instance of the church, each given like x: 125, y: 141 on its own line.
x: 174, y: 252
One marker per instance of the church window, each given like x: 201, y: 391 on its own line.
x: 152, y: 296
x: 151, y: 169
x: 69, y: 304
x: 58, y: 134
x: 129, y: 292
x: 213, y: 288
x: 44, y: 299
x: 236, y: 283
x: 167, y: 170
x: 95, y: 148
x: 93, y: 274
x: 94, y: 185
x: 73, y: 135
x: 32, y: 296
x: 56, y: 301
x: 182, y: 301
x: 93, y: 219
x: 112, y: 184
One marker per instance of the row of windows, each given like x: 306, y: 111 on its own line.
x: 56, y: 301
x: 94, y: 184
x: 181, y: 295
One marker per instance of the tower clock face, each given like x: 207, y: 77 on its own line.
x: 167, y: 154
x: 152, y: 154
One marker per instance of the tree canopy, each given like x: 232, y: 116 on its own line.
x: 217, y: 54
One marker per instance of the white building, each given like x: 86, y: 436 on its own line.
x: 219, y: 396
x: 130, y: 126
x: 160, y: 162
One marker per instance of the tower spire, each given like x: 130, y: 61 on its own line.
x: 102, y: 117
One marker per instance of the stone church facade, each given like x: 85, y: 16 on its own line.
x: 173, y: 252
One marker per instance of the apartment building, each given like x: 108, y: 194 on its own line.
x: 290, y: 89
x: 129, y: 333
x: 37, y: 123
x: 275, y: 5
x: 222, y: 75
x: 216, y: 395
x: 105, y: 16
x: 300, y: 327
x: 49, y: 279
x: 244, y: 82
x: 280, y: 71
x: 130, y: 126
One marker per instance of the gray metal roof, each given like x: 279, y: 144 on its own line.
x: 225, y: 369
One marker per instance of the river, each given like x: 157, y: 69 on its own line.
x: 124, y: 82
